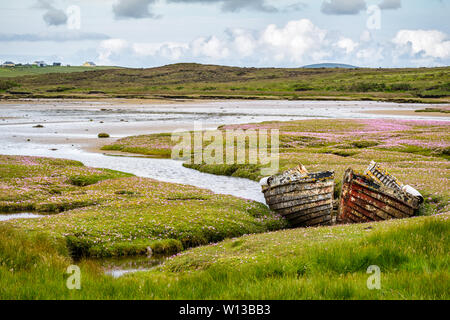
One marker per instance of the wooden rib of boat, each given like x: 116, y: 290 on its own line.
x: 304, y: 199
x: 365, y: 198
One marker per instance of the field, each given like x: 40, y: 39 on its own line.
x: 194, y: 81
x: 100, y: 212
x: 318, y: 263
x: 411, y: 150
x: 223, y: 247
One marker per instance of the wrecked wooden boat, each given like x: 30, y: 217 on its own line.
x: 376, y: 195
x: 304, y: 199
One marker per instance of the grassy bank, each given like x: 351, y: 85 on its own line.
x: 417, y: 152
x: 194, y: 81
x: 317, y: 263
x: 99, y: 212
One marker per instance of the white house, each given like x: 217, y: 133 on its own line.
x: 40, y: 64
x: 89, y: 64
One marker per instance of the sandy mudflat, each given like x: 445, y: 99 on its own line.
x: 408, y: 113
x: 96, y: 102
x: 75, y: 124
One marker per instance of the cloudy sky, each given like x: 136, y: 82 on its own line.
x: 253, y: 33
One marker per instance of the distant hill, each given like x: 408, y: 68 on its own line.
x: 197, y: 81
x: 330, y: 65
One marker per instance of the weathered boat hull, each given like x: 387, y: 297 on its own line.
x: 304, y: 203
x: 363, y: 200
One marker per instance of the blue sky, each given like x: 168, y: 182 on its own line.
x: 252, y: 33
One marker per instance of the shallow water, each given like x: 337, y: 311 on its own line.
x: 69, y: 127
x: 118, y: 267
x: 5, y: 217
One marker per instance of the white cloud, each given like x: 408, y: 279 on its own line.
x: 347, y: 44
x: 243, y: 41
x: 211, y: 47
x: 365, y: 36
x: 168, y: 50
x: 294, y: 42
x: 297, y: 43
x: 109, y: 47
x: 428, y: 43
x: 370, y: 55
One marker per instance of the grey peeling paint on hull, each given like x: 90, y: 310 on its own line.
x: 304, y: 203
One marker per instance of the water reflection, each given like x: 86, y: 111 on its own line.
x: 117, y: 267
x: 25, y: 215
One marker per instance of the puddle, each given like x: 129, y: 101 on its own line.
x: 24, y: 215
x: 117, y: 267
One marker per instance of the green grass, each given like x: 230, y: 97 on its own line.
x: 48, y: 185
x: 238, y: 250
x: 434, y: 110
x: 20, y: 71
x: 316, y: 263
x: 195, y: 81
x: 109, y: 213
x: 103, y: 135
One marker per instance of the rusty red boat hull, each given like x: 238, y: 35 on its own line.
x: 304, y: 203
x: 363, y: 200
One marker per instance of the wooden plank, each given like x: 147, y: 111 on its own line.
x: 324, y: 221
x: 310, y: 178
x: 382, y: 198
x: 280, y: 190
x: 348, y: 217
x: 309, y: 211
x: 304, y: 220
x: 355, y: 215
x: 306, y: 209
x: 367, y: 214
x: 306, y: 200
x: 297, y: 195
x: 319, y: 221
x: 383, y: 209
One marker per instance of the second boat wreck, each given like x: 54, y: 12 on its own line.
x: 375, y: 195
x: 304, y: 199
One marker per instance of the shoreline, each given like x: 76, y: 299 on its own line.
x: 198, y: 99
x: 84, y: 134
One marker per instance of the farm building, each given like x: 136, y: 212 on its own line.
x: 89, y: 64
